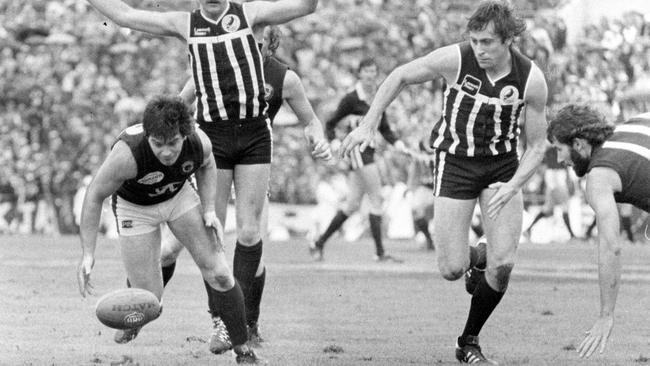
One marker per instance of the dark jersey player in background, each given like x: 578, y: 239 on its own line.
x: 616, y: 163
x: 490, y: 85
x: 227, y: 70
x: 146, y: 172
x: 282, y: 84
x: 363, y: 175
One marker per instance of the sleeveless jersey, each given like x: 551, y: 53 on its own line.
x: 274, y: 73
x: 354, y: 108
x: 226, y: 67
x: 479, y: 117
x: 627, y: 152
x: 156, y: 182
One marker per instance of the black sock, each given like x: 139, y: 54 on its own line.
x: 484, y: 301
x: 334, y: 225
x: 254, y: 298
x: 626, y: 224
x: 422, y: 225
x: 213, y: 304
x: 246, y: 262
x: 375, y: 230
x: 167, y: 273
x: 567, y: 222
x: 232, y: 312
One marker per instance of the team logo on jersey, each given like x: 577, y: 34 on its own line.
x: 201, y: 31
x: 470, y: 85
x: 509, y: 94
x: 230, y: 23
x: 152, y: 178
x: 127, y: 224
x: 187, y: 166
x: 268, y: 91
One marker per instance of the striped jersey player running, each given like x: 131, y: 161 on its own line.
x: 490, y: 87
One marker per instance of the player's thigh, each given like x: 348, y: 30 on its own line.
x: 451, y: 231
x: 141, y: 258
x: 224, y: 184
x: 251, y: 186
x: 503, y: 231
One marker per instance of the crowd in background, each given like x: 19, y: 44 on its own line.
x: 72, y: 81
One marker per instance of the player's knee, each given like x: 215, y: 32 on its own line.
x: 451, y: 271
x: 220, y: 278
x: 248, y: 234
x: 501, y: 275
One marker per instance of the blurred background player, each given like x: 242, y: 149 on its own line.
x: 556, y: 192
x: 282, y: 84
x: 489, y: 85
x: 146, y: 172
x: 227, y: 71
x: 363, y: 174
x: 420, y: 186
x: 616, y: 164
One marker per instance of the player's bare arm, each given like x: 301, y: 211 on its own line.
x: 444, y: 62
x: 117, y: 168
x: 294, y: 94
x: 206, y: 180
x: 188, y: 93
x: 171, y: 24
x: 262, y: 13
x: 601, y: 185
x: 536, y: 144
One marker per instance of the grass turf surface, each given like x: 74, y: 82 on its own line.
x: 347, y: 310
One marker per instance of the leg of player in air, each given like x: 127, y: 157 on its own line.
x: 370, y: 182
x: 141, y: 258
x: 351, y: 205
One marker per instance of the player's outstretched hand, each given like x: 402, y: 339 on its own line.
x: 596, y: 337
x: 83, y: 275
x: 504, y: 192
x: 362, y: 136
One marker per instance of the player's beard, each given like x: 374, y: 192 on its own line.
x: 580, y: 164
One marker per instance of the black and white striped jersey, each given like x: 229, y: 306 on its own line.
x: 226, y: 66
x: 627, y: 152
x: 480, y: 115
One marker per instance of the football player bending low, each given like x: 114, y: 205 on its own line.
x: 616, y: 162
x: 146, y: 173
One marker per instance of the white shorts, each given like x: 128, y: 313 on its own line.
x: 135, y: 219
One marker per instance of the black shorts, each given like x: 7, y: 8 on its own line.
x: 462, y: 177
x: 241, y: 142
x: 360, y: 159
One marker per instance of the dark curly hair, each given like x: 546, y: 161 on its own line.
x: 579, y: 121
x: 164, y: 116
x: 506, y: 23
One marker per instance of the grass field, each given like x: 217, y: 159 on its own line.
x: 347, y: 310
